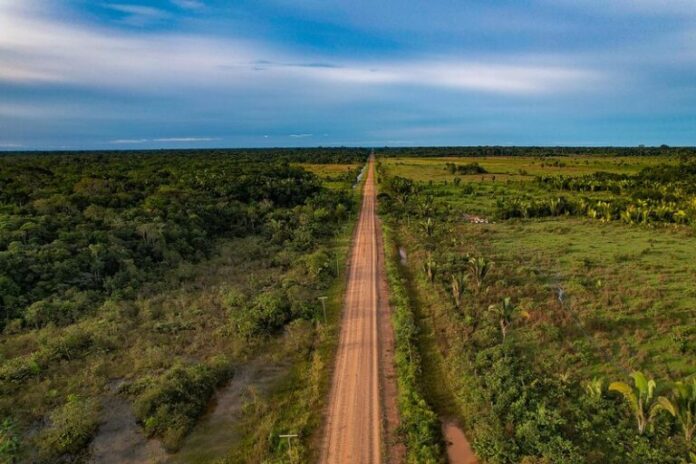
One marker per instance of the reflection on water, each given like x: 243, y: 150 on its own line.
x: 215, y: 433
x: 458, y: 449
x: 120, y: 439
x: 402, y: 255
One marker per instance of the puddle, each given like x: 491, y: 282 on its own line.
x: 402, y: 255
x: 360, y: 176
x: 120, y: 439
x: 216, y: 432
x: 458, y: 449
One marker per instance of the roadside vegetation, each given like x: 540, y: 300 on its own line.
x: 151, y: 277
x: 563, y: 337
x: 419, y: 424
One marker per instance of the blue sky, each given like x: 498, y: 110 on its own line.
x: 206, y: 73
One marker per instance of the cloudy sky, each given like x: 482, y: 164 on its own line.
x: 129, y: 74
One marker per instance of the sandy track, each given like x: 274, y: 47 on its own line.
x: 353, y: 431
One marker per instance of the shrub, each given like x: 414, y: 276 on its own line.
x: 419, y: 424
x: 72, y: 427
x: 168, y: 406
x: 9, y: 442
x: 464, y: 169
x: 267, y: 313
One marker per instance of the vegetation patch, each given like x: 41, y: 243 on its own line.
x: 169, y: 405
x: 147, y: 268
x: 419, y: 424
x: 545, y: 324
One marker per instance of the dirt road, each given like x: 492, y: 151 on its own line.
x: 353, y: 431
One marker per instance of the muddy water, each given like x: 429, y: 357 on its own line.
x: 458, y: 449
x: 402, y: 256
x: 215, y: 433
x: 120, y: 439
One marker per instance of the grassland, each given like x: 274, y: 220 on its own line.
x: 519, y: 167
x: 592, y: 299
x: 333, y: 175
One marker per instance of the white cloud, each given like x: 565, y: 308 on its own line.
x: 493, y: 77
x: 48, y: 50
x: 300, y: 136
x: 128, y: 141
x: 136, y: 10
x: 187, y: 139
x: 162, y: 139
x: 137, y: 15
x: 189, y: 4
x: 43, y: 110
x: 677, y: 8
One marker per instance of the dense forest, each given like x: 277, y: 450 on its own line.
x: 329, y: 155
x: 107, y: 260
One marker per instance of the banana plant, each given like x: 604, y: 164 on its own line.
x: 430, y: 267
x: 458, y: 285
x: 506, y: 313
x: 428, y: 227
x: 425, y: 207
x: 593, y: 388
x: 644, y: 406
x: 478, y: 269
x: 683, y: 407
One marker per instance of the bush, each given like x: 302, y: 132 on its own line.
x: 266, y: 314
x: 168, y: 406
x: 464, y: 169
x: 9, y: 442
x: 72, y: 427
x: 419, y: 424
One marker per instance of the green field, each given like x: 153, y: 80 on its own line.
x: 520, y: 167
x: 593, y: 298
x: 335, y: 176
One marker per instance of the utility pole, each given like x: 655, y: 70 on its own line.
x: 323, y: 305
x: 289, y: 437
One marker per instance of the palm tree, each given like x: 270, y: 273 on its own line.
x: 458, y: 285
x: 641, y: 400
x: 506, y: 312
x: 478, y: 269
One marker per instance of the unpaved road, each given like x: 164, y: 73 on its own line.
x: 353, y: 429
